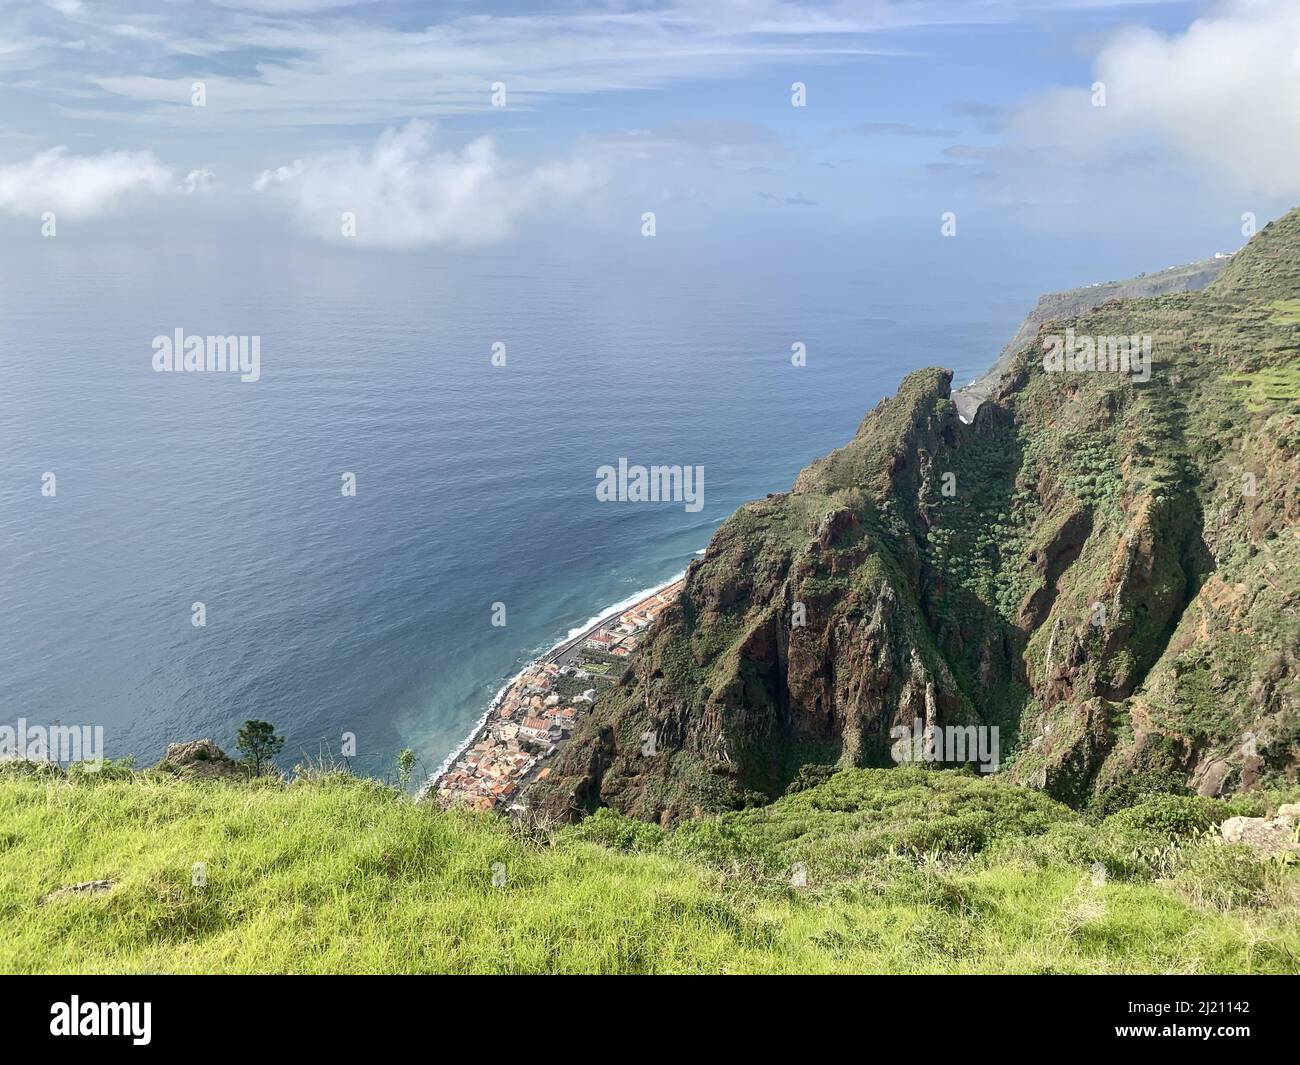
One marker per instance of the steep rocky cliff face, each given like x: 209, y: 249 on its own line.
x: 1106, y: 568
x: 1191, y: 277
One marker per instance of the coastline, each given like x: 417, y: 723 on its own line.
x: 572, y: 640
x: 968, y: 399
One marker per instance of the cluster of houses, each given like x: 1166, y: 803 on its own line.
x: 621, y: 636
x: 531, y: 719
x: 524, y: 728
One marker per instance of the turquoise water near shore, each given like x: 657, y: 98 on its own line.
x: 475, y: 484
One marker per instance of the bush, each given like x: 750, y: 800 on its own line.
x: 100, y: 772
x: 724, y: 843
x: 810, y: 776
x: 611, y: 829
x: 1224, y: 877
x: 1131, y: 790
x: 1170, y: 816
x: 19, y: 768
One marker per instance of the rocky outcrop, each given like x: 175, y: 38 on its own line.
x: 1103, y: 567
x: 201, y: 759
x: 1279, y: 834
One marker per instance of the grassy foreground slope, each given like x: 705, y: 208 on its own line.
x: 907, y: 871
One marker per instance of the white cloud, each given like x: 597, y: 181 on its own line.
x: 1224, y: 93
x: 404, y: 193
x: 197, y: 181
x: 276, y: 7
x: 79, y: 186
x: 329, y: 67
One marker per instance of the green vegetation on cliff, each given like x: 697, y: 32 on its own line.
x: 1106, y: 568
x: 906, y: 870
x: 1104, y: 565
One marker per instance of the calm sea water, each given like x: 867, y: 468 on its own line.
x: 475, y: 484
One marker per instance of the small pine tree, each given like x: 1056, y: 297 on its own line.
x: 258, y: 743
x: 405, y: 765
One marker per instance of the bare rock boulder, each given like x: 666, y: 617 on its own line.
x: 1268, y: 835
x: 201, y: 759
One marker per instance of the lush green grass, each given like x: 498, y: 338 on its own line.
x: 907, y: 870
x: 1286, y: 312
x: 1268, y: 386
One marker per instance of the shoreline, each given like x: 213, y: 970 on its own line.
x: 573, y: 639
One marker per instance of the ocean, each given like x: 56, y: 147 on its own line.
x: 372, y: 614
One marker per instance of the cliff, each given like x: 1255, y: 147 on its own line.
x: 1053, y: 306
x: 1105, y: 567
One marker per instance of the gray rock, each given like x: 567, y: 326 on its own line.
x: 200, y: 758
x: 1268, y: 835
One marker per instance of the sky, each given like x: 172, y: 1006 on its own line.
x: 1150, y: 128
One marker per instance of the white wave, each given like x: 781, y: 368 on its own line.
x: 617, y: 608
x: 468, y: 741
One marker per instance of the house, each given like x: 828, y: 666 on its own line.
x: 537, y: 727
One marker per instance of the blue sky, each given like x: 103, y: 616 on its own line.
x: 384, y: 110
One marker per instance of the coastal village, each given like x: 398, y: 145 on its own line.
x: 535, y: 714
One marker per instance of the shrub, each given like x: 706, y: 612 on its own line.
x: 724, y: 843
x: 1170, y: 816
x: 810, y: 776
x: 100, y: 772
x: 611, y: 829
